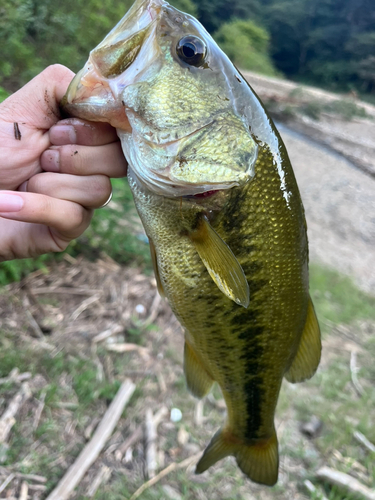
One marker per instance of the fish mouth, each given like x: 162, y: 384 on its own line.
x: 95, y: 91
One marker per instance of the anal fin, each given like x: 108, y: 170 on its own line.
x: 260, y: 461
x: 307, y: 359
x: 221, y: 263
x: 198, y: 380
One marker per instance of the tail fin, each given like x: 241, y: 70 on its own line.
x: 260, y: 462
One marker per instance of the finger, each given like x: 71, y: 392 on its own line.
x: 75, y: 131
x: 89, y: 191
x: 85, y: 160
x: 68, y: 219
x: 37, y: 102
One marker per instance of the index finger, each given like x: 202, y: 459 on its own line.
x: 83, y: 132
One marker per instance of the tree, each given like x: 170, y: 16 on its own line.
x: 246, y: 44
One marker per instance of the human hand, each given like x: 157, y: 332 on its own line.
x: 54, y: 173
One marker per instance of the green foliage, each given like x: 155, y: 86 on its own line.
x: 337, y: 299
x: 331, y: 43
x: 3, y: 94
x: 185, y: 6
x: 36, y: 33
x: 246, y: 44
x: 15, y: 270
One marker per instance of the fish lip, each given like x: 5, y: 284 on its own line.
x: 80, y: 96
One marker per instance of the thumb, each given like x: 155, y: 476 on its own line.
x: 38, y: 101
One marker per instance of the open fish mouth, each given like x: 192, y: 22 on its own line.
x: 95, y: 91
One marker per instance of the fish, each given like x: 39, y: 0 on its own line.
x: 216, y: 193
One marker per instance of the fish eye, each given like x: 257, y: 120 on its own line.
x: 191, y: 50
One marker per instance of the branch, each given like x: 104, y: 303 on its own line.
x: 358, y: 436
x: 7, y: 420
x: 92, y: 450
x: 346, y: 482
x: 353, y: 372
x: 172, y: 467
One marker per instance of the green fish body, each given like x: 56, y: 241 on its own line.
x: 216, y: 193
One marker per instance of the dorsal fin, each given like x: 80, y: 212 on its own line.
x: 221, y: 263
x: 307, y: 359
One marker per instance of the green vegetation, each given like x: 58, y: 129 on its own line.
x: 337, y: 299
x: 330, y: 43
x: 246, y: 44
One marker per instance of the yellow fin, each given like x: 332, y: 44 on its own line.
x: 260, y: 462
x: 198, y: 380
x: 156, y: 269
x: 307, y: 359
x: 221, y: 264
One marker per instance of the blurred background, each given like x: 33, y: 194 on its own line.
x: 74, y: 324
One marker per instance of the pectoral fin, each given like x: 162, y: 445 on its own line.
x: 198, y: 380
x: 221, y: 263
x: 307, y: 359
x: 156, y: 269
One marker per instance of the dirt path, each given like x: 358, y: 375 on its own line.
x: 339, y: 201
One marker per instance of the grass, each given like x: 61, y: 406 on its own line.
x: 337, y: 299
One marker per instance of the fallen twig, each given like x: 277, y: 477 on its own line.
x: 31, y: 477
x: 83, y: 306
x: 15, y: 376
x: 7, y: 420
x: 151, y: 425
x: 65, y: 290
x: 153, y: 311
x: 101, y: 478
x: 107, y: 333
x: 143, y: 351
x: 171, y: 467
x: 364, y: 441
x: 311, y: 489
x: 24, y: 491
x: 353, y: 372
x: 39, y: 410
x: 198, y: 412
x: 7, y: 481
x: 91, y: 451
x: 34, y: 325
x: 346, y: 482
x: 130, y: 441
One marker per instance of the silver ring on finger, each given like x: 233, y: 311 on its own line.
x: 108, y: 201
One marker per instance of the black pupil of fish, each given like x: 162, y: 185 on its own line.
x: 189, y: 50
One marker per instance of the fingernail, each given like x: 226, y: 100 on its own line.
x: 50, y: 160
x: 10, y: 202
x: 62, y: 134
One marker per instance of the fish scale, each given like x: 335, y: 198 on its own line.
x: 216, y: 193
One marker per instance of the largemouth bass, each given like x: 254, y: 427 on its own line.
x: 216, y: 193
